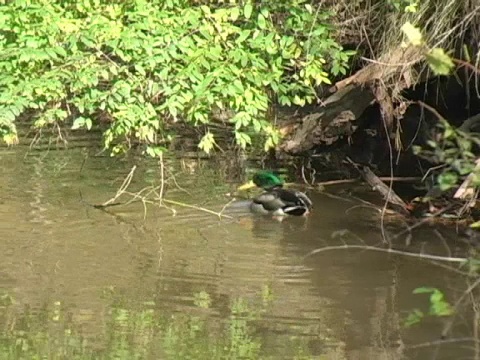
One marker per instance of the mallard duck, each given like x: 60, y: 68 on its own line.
x: 276, y: 200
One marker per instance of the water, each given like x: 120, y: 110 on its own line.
x: 137, y: 282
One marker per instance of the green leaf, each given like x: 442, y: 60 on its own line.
x: 411, y: 8
x: 414, y: 318
x: 247, y: 10
x: 234, y: 13
x: 140, y: 70
x: 244, y: 34
x: 424, y: 290
x: 438, y: 305
x: 436, y: 296
x: 205, y: 9
x: 155, y: 151
x: 78, y: 123
x: 475, y: 225
x: 447, y: 180
x: 261, y: 22
x: 299, y: 101
x: 243, y: 139
x: 449, y: 132
x: 207, y: 142
x: 439, y: 62
x: 88, y: 123
x: 432, y: 144
x: 60, y: 51
x: 150, y: 151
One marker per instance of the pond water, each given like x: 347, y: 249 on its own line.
x: 142, y: 282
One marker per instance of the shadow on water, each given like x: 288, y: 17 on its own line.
x: 78, y: 283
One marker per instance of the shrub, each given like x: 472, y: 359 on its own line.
x: 144, y: 65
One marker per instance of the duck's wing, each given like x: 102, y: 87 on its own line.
x: 305, y: 199
x: 291, y: 197
x: 295, y: 202
x: 270, y: 200
x: 292, y: 202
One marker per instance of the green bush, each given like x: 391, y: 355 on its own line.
x: 140, y: 66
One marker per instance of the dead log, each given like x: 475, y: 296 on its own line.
x: 377, y: 184
x: 337, y: 114
x: 388, y: 194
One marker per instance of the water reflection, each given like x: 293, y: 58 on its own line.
x: 76, y: 282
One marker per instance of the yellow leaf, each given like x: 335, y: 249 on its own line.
x: 413, y: 34
x: 10, y: 139
x: 68, y: 26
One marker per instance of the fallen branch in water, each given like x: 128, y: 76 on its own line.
x: 387, y: 192
x: 120, y: 191
x: 219, y: 214
x: 388, y: 250
x: 383, y: 178
x: 441, y: 342
x: 144, y: 194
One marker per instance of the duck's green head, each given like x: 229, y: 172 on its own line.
x: 263, y: 179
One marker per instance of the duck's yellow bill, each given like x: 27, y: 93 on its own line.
x: 246, y: 186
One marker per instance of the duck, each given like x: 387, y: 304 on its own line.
x: 275, y: 200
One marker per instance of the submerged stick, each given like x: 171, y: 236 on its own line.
x: 219, y: 214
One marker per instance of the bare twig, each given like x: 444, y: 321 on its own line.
x: 225, y: 206
x: 387, y: 250
x: 433, y: 168
x: 432, y: 110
